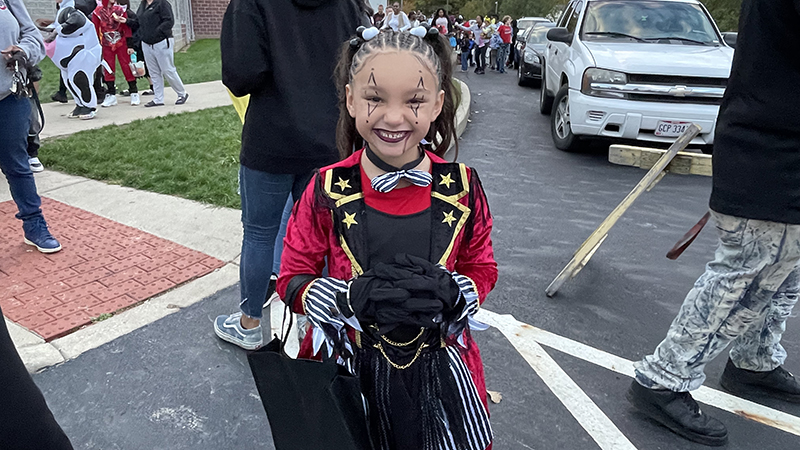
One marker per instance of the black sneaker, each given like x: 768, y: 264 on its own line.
x: 151, y: 103
x: 76, y: 112
x: 182, y: 99
x: 679, y: 412
x: 59, y: 97
x: 778, y: 383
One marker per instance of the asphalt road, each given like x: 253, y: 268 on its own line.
x: 173, y: 385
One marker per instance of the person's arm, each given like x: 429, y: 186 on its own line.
x: 133, y: 24
x: 30, y: 39
x: 476, y: 256
x: 404, y: 19
x: 244, y: 44
x: 386, y: 20
x: 304, y: 248
x: 167, y: 19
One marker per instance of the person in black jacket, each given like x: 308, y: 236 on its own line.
x: 290, y: 126
x: 155, y: 30
x: 135, y: 48
x: 748, y: 291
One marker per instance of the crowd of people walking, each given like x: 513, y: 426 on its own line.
x: 477, y: 43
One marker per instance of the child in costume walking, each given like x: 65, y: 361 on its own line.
x: 406, y: 237
x: 111, y: 19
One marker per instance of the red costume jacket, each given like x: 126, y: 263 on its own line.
x: 112, y: 33
x: 326, y: 224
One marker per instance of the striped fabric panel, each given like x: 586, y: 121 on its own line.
x: 478, y: 428
x: 470, y: 293
x: 321, y: 299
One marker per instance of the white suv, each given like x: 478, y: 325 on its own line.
x: 634, y: 69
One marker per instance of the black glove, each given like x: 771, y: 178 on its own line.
x: 408, y: 291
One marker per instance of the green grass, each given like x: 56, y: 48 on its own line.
x: 192, y: 155
x: 199, y: 63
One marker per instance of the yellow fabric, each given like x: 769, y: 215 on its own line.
x: 240, y: 104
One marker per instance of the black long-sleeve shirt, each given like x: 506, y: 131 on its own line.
x: 283, y: 53
x: 757, y: 141
x: 155, y: 21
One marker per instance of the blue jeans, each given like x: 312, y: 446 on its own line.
x: 502, y: 57
x: 464, y: 60
x: 266, y: 207
x: 16, y: 117
x: 744, y: 298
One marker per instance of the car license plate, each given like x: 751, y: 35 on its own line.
x: 670, y: 128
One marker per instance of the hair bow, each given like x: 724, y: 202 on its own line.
x: 363, y: 34
x: 424, y: 31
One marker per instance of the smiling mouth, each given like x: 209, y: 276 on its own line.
x: 391, y: 136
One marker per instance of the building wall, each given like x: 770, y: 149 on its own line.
x: 41, y: 9
x: 207, y: 17
x: 182, y: 9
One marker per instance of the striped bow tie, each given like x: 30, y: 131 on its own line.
x: 388, y: 181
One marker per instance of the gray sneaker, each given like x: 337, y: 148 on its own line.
x: 229, y: 329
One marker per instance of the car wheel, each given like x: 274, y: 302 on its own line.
x: 560, y: 128
x: 707, y: 149
x: 545, y: 101
x: 521, y: 80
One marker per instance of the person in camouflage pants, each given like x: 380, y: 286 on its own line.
x: 748, y: 291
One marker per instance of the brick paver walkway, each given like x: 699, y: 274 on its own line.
x: 104, y: 267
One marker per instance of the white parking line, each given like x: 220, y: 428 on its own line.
x: 582, y: 408
x: 515, y: 330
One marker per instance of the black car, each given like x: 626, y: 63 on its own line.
x: 531, y: 53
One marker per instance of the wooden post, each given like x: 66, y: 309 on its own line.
x: 593, y: 242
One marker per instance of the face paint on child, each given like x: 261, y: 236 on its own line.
x: 393, y: 101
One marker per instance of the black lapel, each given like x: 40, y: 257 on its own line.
x: 448, y: 215
x: 343, y: 186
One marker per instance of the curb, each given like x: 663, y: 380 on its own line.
x: 462, y: 113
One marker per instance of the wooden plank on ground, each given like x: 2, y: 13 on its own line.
x: 593, y: 242
x: 685, y: 163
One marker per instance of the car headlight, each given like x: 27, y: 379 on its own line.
x: 531, y: 57
x: 604, y: 83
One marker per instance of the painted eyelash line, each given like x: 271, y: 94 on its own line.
x: 415, y: 107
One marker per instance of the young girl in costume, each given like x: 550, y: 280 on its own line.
x: 110, y: 19
x: 406, y: 238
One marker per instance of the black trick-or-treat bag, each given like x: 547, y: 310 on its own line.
x: 310, y: 404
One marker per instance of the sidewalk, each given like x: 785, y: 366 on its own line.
x: 213, y: 232
x: 201, y: 96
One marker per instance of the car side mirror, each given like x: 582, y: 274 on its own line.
x: 730, y: 38
x: 559, y: 34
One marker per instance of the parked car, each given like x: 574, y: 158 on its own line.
x: 526, y: 22
x: 634, y: 69
x: 531, y: 48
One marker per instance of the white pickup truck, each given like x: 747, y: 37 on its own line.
x: 634, y: 69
